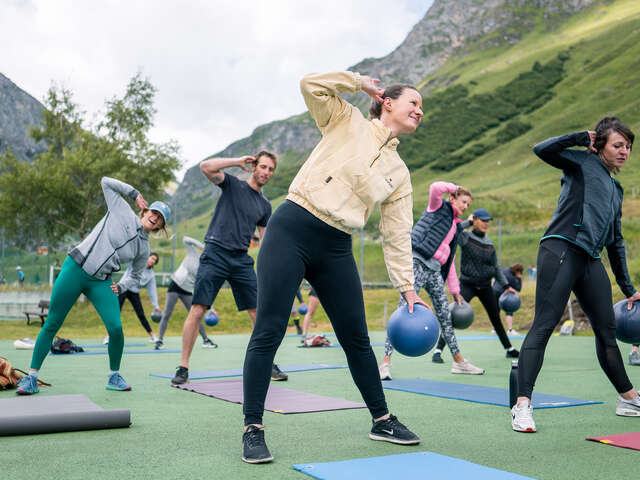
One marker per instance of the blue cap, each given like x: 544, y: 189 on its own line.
x: 163, y: 209
x: 482, y: 214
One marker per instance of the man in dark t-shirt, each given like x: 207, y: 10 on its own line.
x: 241, y: 208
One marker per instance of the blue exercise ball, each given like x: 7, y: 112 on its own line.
x: 461, y: 315
x: 302, y: 309
x: 413, y: 334
x: 509, y: 302
x: 627, y: 322
x: 156, y: 316
x: 211, y: 319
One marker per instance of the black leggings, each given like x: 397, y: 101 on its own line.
x: 134, y: 298
x: 487, y: 297
x: 563, y: 268
x: 298, y: 245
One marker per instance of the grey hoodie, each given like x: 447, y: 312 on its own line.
x: 117, y: 239
x: 185, y: 275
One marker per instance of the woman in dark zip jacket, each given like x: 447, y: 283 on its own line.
x: 588, y: 218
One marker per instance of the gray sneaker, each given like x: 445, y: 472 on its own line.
x: 634, y: 359
x: 628, y: 408
x: 466, y: 368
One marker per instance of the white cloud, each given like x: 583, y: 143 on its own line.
x: 221, y: 68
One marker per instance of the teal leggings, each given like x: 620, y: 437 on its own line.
x: 71, y: 282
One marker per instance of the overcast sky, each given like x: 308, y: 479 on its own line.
x: 221, y: 67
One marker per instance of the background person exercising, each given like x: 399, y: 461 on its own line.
x: 513, y: 274
x: 181, y: 287
x: 241, y: 208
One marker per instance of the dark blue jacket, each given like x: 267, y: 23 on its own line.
x: 590, y: 203
x: 429, y: 232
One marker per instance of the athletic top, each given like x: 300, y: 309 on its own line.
x: 148, y: 281
x: 239, y: 210
x: 478, y: 259
x: 117, y: 239
x: 354, y: 168
x: 185, y: 275
x: 512, y: 281
x: 589, y: 207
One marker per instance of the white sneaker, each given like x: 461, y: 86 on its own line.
x: 628, y: 408
x: 522, y: 418
x: 493, y: 331
x: 512, y: 333
x: 466, y: 367
x: 385, y: 371
x: 106, y: 340
x: 153, y: 338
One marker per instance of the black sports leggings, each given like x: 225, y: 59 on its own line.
x: 487, y: 297
x: 298, y: 245
x: 563, y: 268
x: 134, y: 298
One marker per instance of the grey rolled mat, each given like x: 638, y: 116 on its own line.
x: 57, y: 413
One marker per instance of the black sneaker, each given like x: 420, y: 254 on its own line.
x: 208, y: 343
x: 391, y: 430
x: 512, y: 353
x: 159, y: 345
x: 254, y: 448
x: 277, y: 374
x: 437, y: 358
x: 182, y: 375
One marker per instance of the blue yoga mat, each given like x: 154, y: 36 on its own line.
x: 478, y: 393
x: 102, y: 345
x: 237, y: 372
x: 406, y: 465
x: 487, y: 337
x: 103, y: 352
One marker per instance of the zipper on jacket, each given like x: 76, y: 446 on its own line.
x: 380, y: 151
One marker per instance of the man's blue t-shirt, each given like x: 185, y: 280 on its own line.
x: 239, y: 210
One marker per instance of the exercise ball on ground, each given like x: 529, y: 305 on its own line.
x: 461, y: 315
x: 627, y: 322
x: 509, y: 302
x: 413, y: 334
x: 211, y: 319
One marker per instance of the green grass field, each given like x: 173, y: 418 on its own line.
x: 177, y: 434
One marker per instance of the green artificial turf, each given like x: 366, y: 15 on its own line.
x: 178, y: 434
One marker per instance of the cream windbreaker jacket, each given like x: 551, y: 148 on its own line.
x: 353, y: 168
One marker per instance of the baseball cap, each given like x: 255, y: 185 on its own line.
x: 482, y: 214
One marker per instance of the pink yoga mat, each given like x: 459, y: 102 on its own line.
x: 279, y: 400
x: 624, y: 440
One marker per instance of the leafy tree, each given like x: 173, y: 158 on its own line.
x: 59, y: 194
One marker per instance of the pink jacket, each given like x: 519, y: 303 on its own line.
x: 436, y: 190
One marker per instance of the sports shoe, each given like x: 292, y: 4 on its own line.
x: 207, y: 343
x: 106, y: 340
x: 512, y: 353
x: 277, y: 374
x: 634, y: 358
x: 391, y: 430
x: 522, y: 418
x: 116, y: 382
x: 182, y: 375
x: 628, y: 408
x: 385, y: 371
x: 437, y: 358
x: 254, y: 448
x: 28, y: 385
x: 159, y: 345
x: 466, y: 367
x: 153, y: 338
x: 512, y: 333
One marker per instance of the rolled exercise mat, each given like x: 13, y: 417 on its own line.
x: 624, y: 440
x: 478, y: 393
x: 57, y: 413
x: 406, y: 465
x: 237, y: 372
x: 279, y: 400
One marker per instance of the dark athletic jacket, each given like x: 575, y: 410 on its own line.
x: 478, y: 259
x: 590, y: 203
x: 512, y: 281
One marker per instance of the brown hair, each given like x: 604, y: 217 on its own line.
x: 393, y: 92
x: 517, y: 268
x: 604, y: 128
x: 461, y: 192
x: 268, y: 154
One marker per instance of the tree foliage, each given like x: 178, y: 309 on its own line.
x: 59, y: 194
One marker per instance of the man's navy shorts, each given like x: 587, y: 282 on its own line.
x: 218, y: 264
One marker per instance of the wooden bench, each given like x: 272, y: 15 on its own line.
x: 43, y: 305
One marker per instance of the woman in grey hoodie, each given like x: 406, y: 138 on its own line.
x: 120, y: 237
